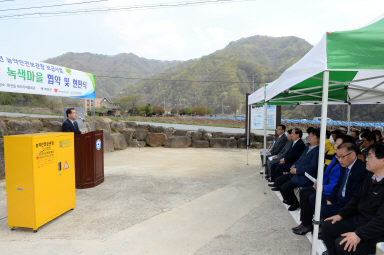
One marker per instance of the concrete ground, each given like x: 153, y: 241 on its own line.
x: 167, y: 201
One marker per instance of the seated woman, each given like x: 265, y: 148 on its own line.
x: 378, y: 136
x: 368, y: 138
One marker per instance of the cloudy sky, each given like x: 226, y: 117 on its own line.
x: 171, y: 33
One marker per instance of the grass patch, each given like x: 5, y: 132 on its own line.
x: 26, y: 110
x: 183, y: 123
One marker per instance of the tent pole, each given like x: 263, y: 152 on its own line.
x: 248, y: 131
x: 349, y: 117
x: 265, y: 133
x: 247, y: 122
x: 320, y: 166
x: 93, y: 115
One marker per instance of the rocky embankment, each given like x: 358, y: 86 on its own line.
x: 119, y: 135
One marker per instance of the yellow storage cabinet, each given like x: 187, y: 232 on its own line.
x: 40, y: 178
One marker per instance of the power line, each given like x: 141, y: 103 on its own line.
x: 154, y: 79
x: 122, y: 8
x: 50, y: 6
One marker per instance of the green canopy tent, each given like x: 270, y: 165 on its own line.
x: 345, y: 67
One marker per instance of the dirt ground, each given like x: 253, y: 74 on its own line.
x: 167, y: 201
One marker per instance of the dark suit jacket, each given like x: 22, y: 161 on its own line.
x: 69, y: 127
x: 278, y: 145
x: 294, y: 153
x: 285, y: 150
x: 307, y: 163
x: 355, y: 179
x: 367, y: 209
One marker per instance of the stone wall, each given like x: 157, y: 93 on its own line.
x: 16, y: 126
x: 123, y: 134
x: 119, y: 135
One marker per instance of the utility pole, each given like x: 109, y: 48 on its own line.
x: 253, y: 83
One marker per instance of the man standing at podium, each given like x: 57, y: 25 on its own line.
x: 70, y: 124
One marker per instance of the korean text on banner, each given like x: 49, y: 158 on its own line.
x: 31, y: 77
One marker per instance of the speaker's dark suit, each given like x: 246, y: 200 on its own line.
x: 69, y: 127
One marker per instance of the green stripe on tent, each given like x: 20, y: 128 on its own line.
x: 357, y: 49
x: 310, y: 90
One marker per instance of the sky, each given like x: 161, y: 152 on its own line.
x: 172, y: 33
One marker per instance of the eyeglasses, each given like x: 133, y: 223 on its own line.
x: 343, y: 156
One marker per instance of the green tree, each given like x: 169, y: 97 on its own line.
x: 129, y: 102
x: 233, y: 100
x: 187, y: 111
x: 148, y: 110
x: 158, y: 110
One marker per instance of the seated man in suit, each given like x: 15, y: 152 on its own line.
x: 307, y: 163
x: 308, y: 195
x: 359, y: 225
x: 292, y: 156
x: 275, y: 159
x: 352, y: 174
x: 70, y: 124
x: 278, y: 144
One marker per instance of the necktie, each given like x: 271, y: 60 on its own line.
x: 344, y: 183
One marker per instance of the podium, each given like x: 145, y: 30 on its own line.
x: 89, y: 159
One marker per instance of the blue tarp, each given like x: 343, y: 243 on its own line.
x: 336, y: 123
x: 223, y: 118
x: 313, y: 122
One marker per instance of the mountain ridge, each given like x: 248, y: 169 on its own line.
x: 121, y: 65
x: 242, y: 65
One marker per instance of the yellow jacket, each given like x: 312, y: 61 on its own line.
x: 329, y: 151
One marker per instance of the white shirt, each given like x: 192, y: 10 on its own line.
x: 351, y: 165
x: 294, y: 142
x: 378, y: 179
x: 311, y: 148
x: 73, y: 122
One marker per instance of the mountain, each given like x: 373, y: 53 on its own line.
x: 221, y: 80
x: 121, y: 65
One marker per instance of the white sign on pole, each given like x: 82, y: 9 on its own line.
x: 257, y: 117
x: 33, y: 77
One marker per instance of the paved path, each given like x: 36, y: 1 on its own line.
x: 14, y: 114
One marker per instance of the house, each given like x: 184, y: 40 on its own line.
x: 104, y: 106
